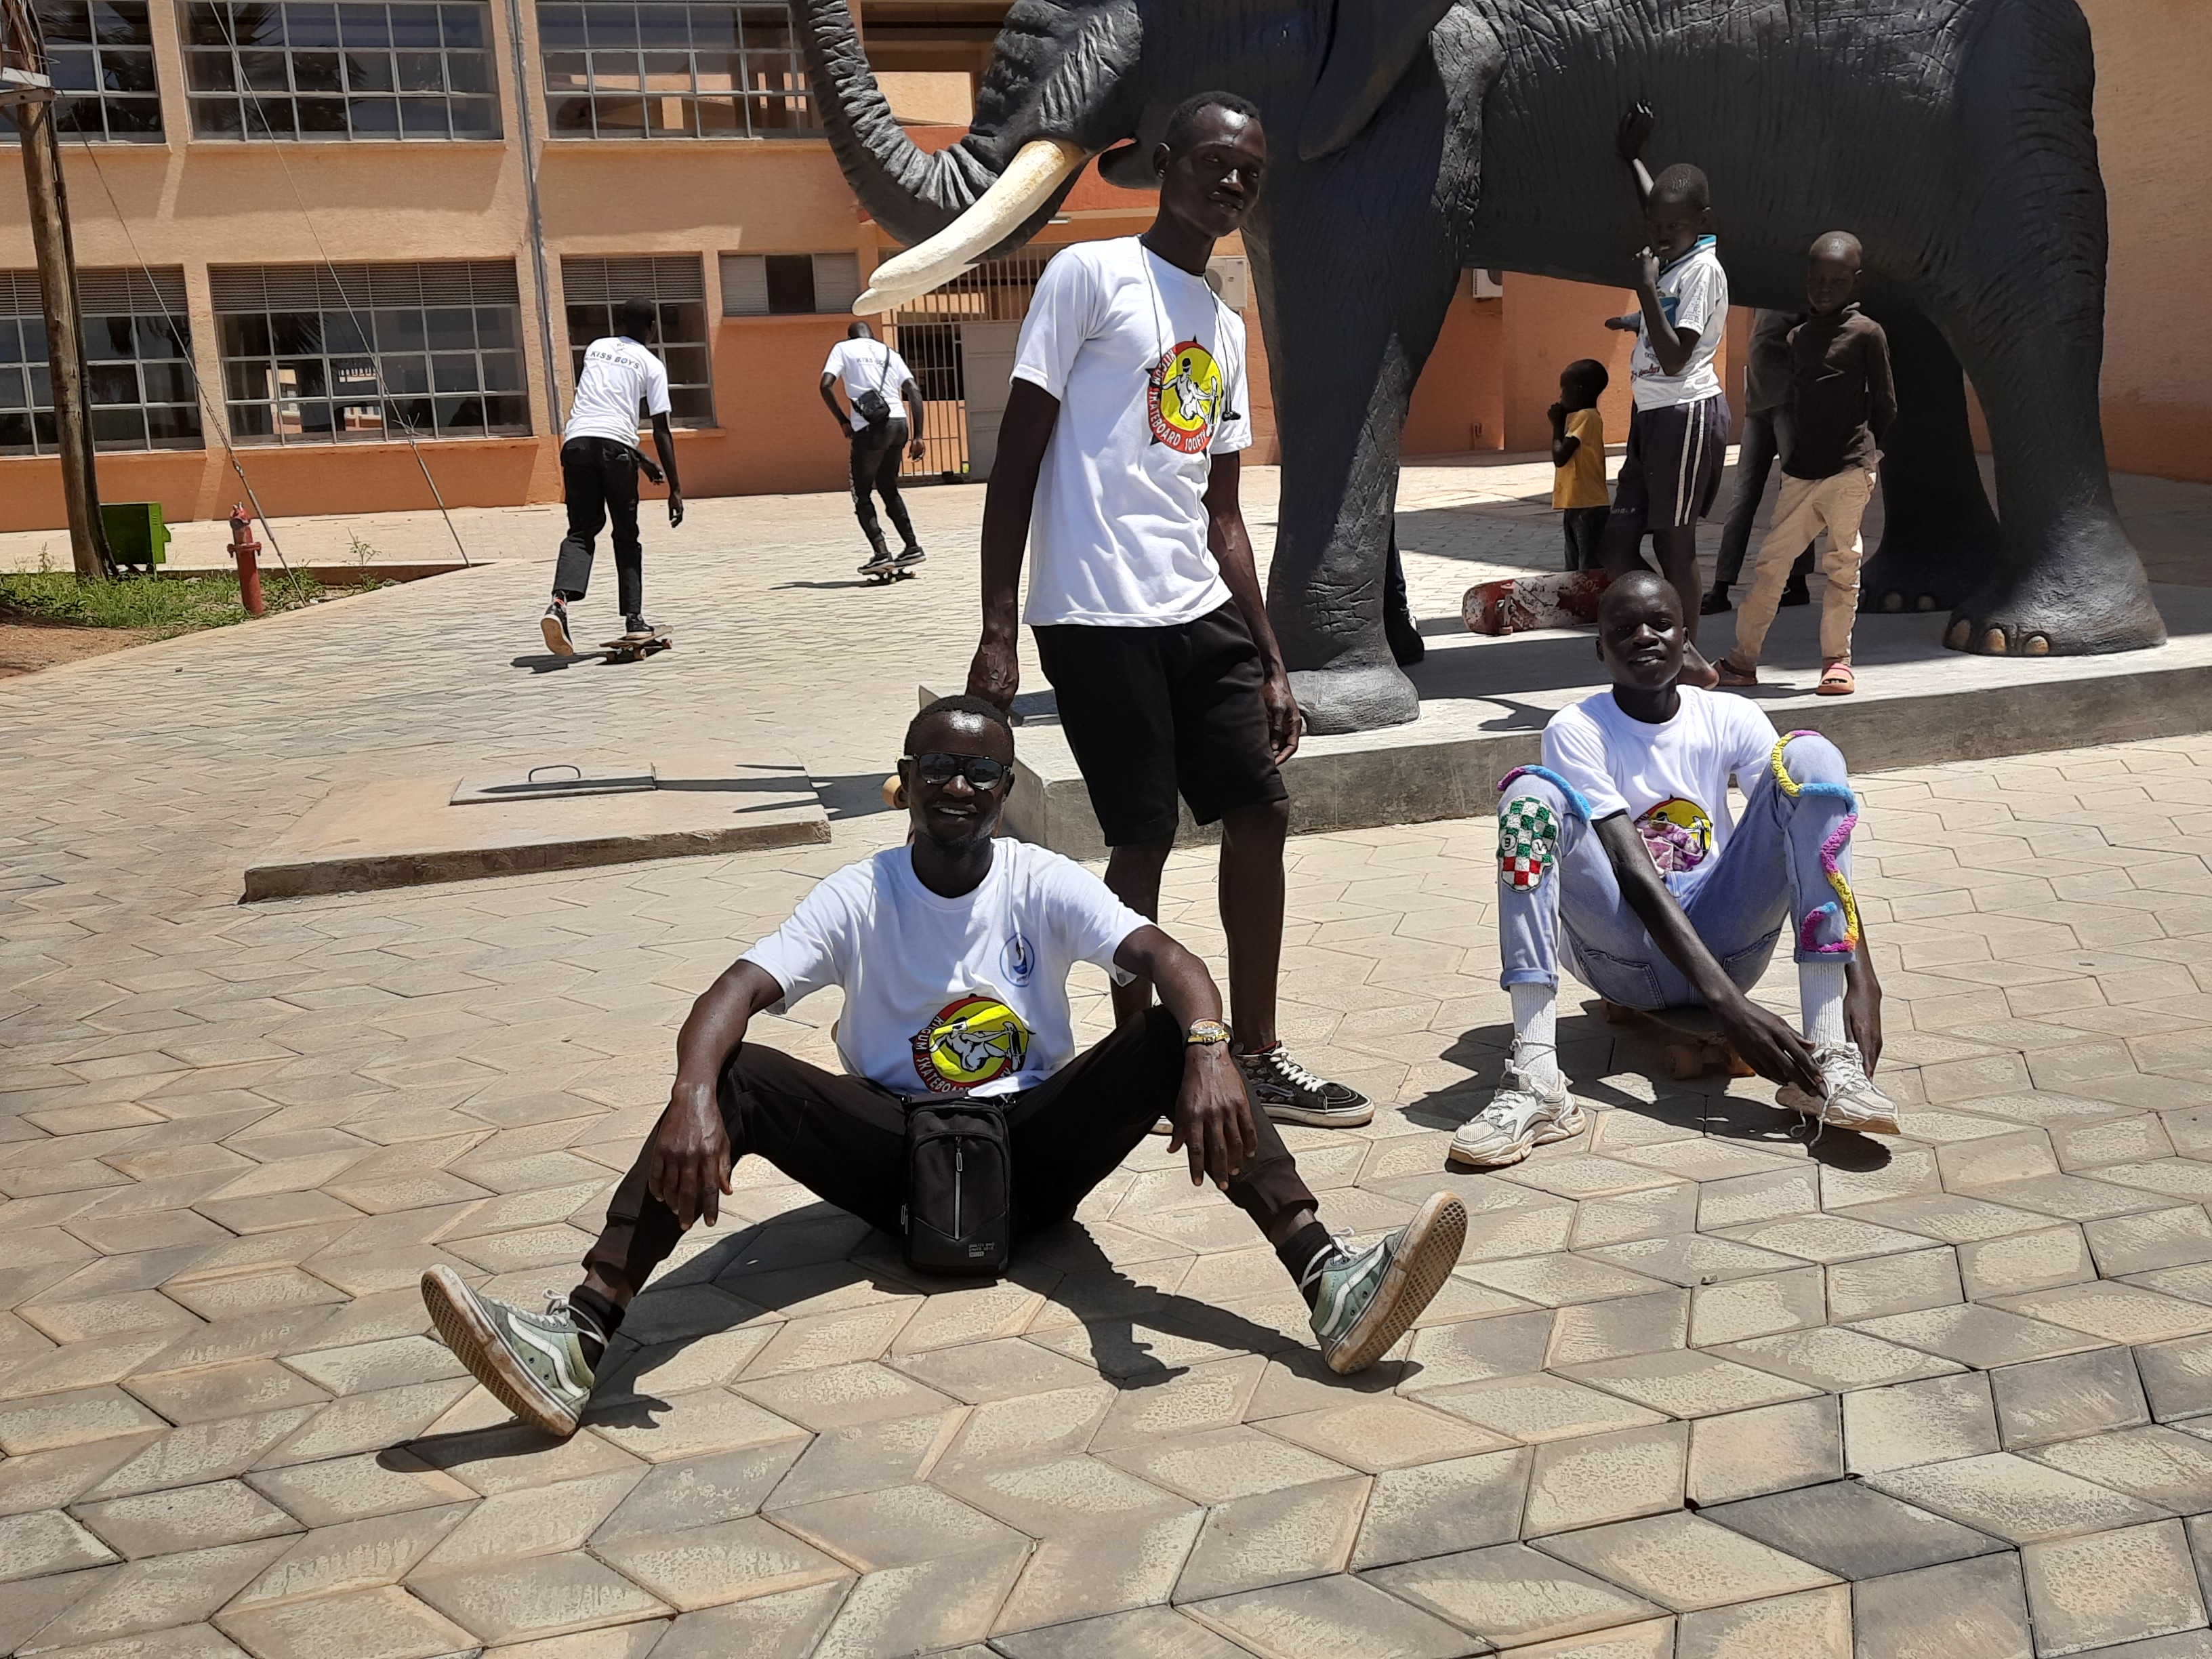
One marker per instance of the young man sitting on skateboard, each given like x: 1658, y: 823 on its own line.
x: 953, y: 951
x: 1623, y: 839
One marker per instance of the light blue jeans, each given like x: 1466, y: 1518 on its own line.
x: 1790, y: 860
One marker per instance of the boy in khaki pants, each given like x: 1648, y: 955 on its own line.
x: 1842, y: 403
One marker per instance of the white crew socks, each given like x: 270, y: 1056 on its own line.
x: 1821, y: 998
x: 1536, y: 1032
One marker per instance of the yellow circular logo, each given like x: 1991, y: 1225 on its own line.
x: 1184, y: 402
x: 973, y: 1040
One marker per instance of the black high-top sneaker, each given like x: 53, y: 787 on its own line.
x: 1289, y: 1093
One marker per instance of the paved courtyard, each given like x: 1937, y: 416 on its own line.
x: 1698, y: 1389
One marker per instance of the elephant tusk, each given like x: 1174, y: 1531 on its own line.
x: 1028, y: 182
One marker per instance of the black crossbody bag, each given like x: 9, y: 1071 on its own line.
x: 958, y: 1215
x: 871, y: 405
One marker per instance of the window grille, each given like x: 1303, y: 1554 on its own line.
x: 364, y: 353
x: 594, y: 290
x: 358, y: 68
x: 626, y: 71
x: 138, y: 363
x: 774, y: 284
x: 100, y: 54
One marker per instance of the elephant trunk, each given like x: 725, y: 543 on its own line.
x: 1051, y: 98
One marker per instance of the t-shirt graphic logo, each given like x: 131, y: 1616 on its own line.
x: 1183, y: 401
x: 1018, y: 960
x: 973, y: 1039
x: 1678, y: 833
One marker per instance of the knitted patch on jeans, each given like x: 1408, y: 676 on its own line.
x: 1528, y: 841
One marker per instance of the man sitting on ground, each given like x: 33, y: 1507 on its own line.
x: 951, y: 934
x: 1623, y: 836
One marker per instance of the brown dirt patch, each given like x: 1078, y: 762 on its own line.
x: 25, y: 648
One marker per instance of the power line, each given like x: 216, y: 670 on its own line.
x: 191, y: 365
x: 391, y: 407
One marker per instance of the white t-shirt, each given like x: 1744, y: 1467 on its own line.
x: 1149, y: 369
x: 1693, y: 293
x: 950, y: 996
x: 1673, y: 779
x: 869, y: 366
x: 619, y: 373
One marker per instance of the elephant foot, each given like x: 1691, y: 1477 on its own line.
x: 2085, y: 595
x: 1930, y: 560
x: 1355, y: 697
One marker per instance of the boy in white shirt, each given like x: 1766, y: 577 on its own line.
x: 1678, y: 428
x: 885, y: 409
x: 1623, y: 841
x: 1118, y: 463
x: 953, y: 952
x: 599, y: 464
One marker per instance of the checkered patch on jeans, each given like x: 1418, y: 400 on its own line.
x: 1528, y: 841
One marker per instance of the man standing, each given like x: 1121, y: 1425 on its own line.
x: 1118, y: 461
x: 873, y: 374
x: 599, y: 464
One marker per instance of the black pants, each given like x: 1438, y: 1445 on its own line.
x: 1754, y: 460
x: 1585, y: 529
x: 844, y: 1140
x: 598, y: 478
x: 875, y: 452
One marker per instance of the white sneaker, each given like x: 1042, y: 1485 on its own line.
x: 1520, y: 1115
x: 1852, y: 1100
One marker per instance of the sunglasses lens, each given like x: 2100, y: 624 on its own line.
x: 980, y: 770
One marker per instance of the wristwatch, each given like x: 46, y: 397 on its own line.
x: 1204, y: 1031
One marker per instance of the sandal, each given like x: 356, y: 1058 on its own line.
x: 1733, y: 679
x: 1836, y: 681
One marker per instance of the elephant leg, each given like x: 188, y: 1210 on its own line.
x: 2022, y: 302
x: 1356, y: 307
x: 1939, y: 540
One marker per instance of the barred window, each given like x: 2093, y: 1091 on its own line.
x: 100, y: 54
x: 620, y: 70
x: 363, y: 352
x: 779, y: 284
x: 297, y: 69
x: 138, y: 362
x: 595, y: 289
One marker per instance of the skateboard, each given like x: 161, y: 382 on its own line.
x: 1694, y: 1044
x: 895, y: 574
x: 1519, y: 603
x: 627, y: 649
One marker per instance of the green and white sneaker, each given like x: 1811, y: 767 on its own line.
x: 533, y: 1364
x: 1367, y: 1301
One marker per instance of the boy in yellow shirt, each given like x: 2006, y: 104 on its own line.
x: 1578, y: 453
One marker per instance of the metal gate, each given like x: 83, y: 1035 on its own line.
x: 928, y: 334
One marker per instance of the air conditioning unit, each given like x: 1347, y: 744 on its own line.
x: 1485, y: 284
x: 1231, y: 277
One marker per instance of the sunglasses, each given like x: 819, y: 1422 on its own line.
x: 980, y: 770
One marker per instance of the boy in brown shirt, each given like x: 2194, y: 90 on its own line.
x: 1842, y: 402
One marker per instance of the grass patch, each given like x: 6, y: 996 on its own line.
x: 166, y: 605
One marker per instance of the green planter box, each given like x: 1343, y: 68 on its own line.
x: 135, y: 534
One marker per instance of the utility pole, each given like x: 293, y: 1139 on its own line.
x: 27, y: 90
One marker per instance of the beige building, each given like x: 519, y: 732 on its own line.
x: 356, y: 245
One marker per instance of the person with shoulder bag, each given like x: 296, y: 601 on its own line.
x: 965, y: 1119
x: 878, y: 433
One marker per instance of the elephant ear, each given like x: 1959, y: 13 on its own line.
x: 1372, y: 43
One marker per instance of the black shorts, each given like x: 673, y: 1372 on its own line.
x: 1152, y: 712
x: 1672, y: 473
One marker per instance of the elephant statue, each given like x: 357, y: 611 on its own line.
x: 1411, y: 139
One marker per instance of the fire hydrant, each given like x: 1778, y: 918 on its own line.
x: 243, y: 547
